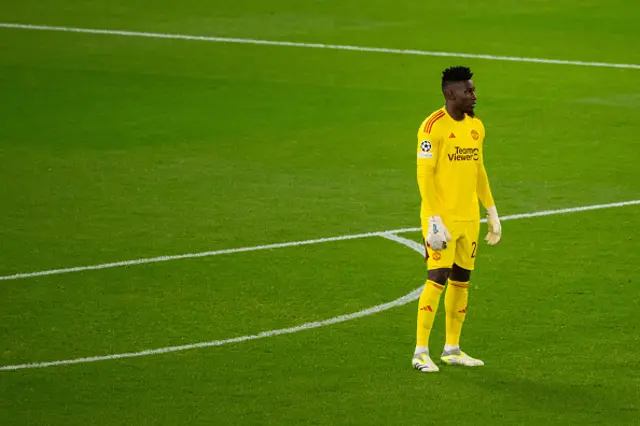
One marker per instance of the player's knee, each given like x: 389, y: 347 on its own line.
x: 460, y: 274
x: 440, y: 275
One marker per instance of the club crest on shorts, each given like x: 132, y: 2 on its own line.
x: 474, y: 135
x: 436, y: 255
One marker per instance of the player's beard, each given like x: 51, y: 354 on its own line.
x: 470, y: 109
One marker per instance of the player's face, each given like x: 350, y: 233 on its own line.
x: 464, y: 93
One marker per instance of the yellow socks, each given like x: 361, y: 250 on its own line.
x: 427, y: 308
x: 455, y: 304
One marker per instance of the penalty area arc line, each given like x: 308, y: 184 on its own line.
x: 410, y: 297
x: 413, y: 295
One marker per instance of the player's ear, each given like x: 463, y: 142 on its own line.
x: 448, y: 93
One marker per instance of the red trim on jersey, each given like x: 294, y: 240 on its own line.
x: 429, y: 125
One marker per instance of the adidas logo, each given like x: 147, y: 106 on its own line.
x: 452, y: 136
x: 426, y: 308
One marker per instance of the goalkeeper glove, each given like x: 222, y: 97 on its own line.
x: 438, y: 234
x: 495, y: 229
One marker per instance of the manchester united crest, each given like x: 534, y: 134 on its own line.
x: 475, y: 135
x: 436, y: 255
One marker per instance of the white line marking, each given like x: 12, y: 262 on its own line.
x: 186, y: 256
x: 292, y: 244
x: 415, y: 294
x: 409, y: 243
x: 390, y: 235
x: 317, y: 46
x: 570, y: 210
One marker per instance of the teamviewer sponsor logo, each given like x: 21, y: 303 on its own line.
x: 464, y: 154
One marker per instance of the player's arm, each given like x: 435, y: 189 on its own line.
x: 427, y: 162
x: 428, y: 147
x: 483, y: 189
x: 486, y: 198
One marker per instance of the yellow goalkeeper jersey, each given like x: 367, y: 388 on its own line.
x: 451, y: 172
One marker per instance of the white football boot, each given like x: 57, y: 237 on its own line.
x: 422, y: 362
x: 457, y: 357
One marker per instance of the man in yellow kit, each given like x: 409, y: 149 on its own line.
x: 451, y: 178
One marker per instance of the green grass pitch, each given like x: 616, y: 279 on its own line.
x: 115, y: 148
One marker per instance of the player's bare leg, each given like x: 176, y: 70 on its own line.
x: 456, y: 299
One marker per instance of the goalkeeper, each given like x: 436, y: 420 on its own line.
x: 451, y: 178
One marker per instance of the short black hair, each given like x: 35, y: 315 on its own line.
x: 454, y: 74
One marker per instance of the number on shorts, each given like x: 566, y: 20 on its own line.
x: 474, y: 244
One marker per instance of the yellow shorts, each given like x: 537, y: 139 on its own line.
x: 461, y: 250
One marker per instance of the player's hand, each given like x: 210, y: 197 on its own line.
x: 495, y: 229
x: 438, y: 234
